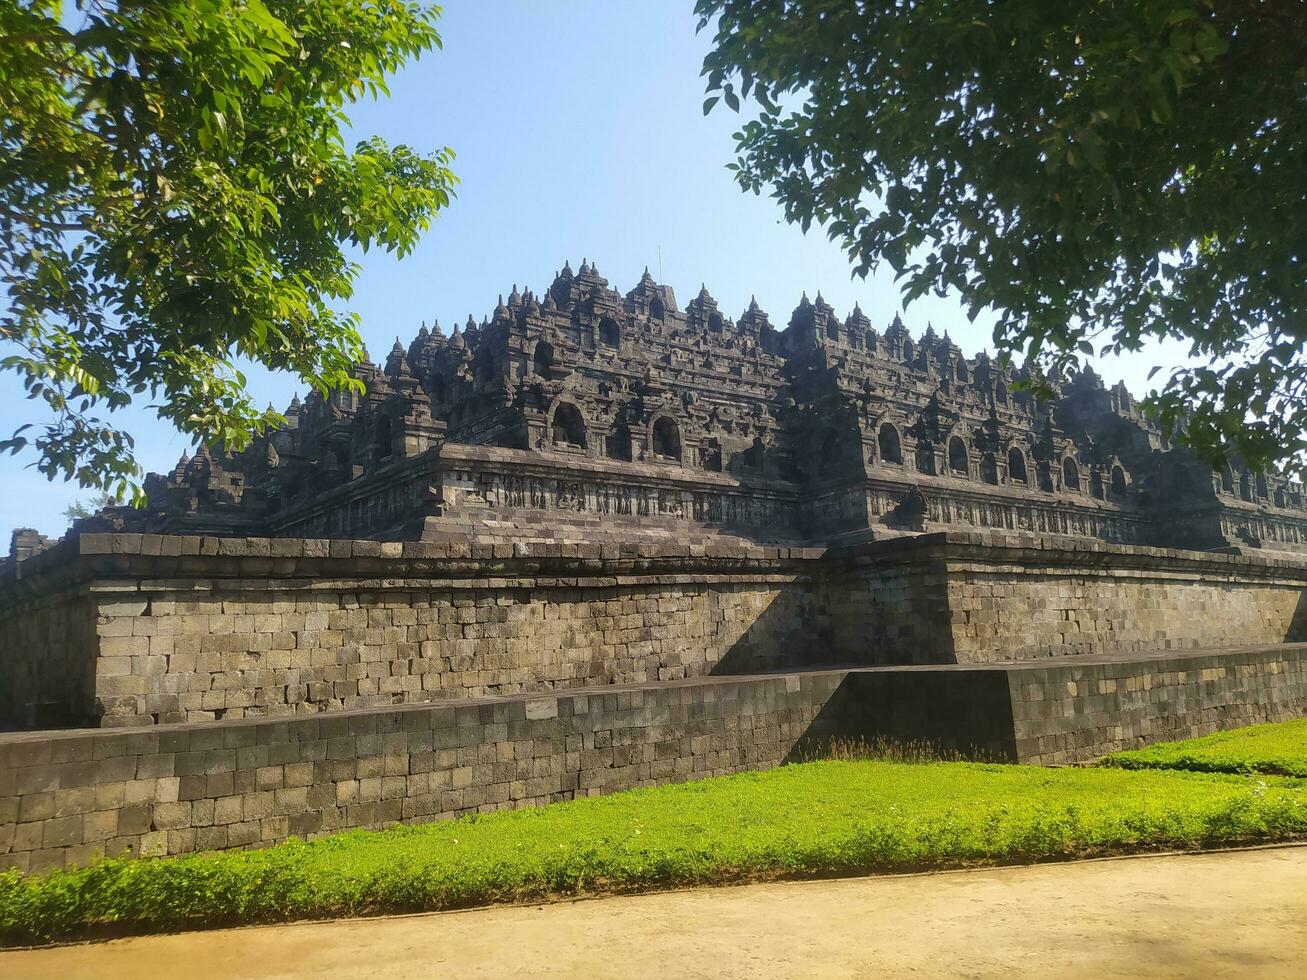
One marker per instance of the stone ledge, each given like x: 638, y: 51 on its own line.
x: 80, y: 558
x: 1059, y: 550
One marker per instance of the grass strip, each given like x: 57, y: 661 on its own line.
x: 799, y: 820
x: 1278, y: 748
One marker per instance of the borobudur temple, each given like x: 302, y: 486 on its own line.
x: 598, y: 541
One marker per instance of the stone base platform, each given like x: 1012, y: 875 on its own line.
x: 1061, y: 710
x: 167, y: 789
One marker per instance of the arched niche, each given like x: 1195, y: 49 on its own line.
x: 926, y: 457
x: 1000, y: 393
x: 542, y: 359
x: 1016, y: 466
x: 989, y: 468
x: 1227, y: 479
x: 1096, y: 484
x: 618, y: 444
x: 1245, y: 487
x: 1070, y: 474
x: 1261, y: 485
x: 1118, y: 481
x: 609, y: 332
x: 568, y: 427
x: 889, y: 444
x: 957, y: 456
x: 666, y: 438
x: 656, y: 308
x: 963, y: 374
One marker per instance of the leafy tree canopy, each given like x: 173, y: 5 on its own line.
x: 1096, y: 173
x: 175, y: 195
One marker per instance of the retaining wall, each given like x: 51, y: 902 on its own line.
x: 962, y: 597
x: 129, y: 629
x: 1073, y: 710
x: 68, y: 796
x: 199, y: 629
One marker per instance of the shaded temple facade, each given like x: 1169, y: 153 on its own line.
x: 583, y: 412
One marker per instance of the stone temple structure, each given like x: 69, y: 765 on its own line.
x: 598, y: 540
x: 584, y: 410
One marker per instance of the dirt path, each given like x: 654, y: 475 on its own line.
x: 1231, y: 914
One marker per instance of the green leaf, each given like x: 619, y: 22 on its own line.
x: 213, y: 196
x: 1129, y: 172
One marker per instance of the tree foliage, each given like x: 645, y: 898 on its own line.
x: 1098, y: 174
x: 81, y: 509
x: 175, y: 196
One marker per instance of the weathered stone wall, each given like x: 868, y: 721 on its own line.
x: 242, y: 651
x: 45, y: 666
x: 1073, y: 712
x: 889, y: 612
x: 1060, y: 711
x: 67, y: 796
x: 135, y: 629
x: 1018, y: 614
x: 967, y: 597
x: 195, y: 629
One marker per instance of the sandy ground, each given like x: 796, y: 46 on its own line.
x: 1235, y: 914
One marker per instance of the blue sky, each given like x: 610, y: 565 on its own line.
x: 579, y: 134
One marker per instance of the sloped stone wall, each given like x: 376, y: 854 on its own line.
x: 1019, y: 614
x: 1077, y: 709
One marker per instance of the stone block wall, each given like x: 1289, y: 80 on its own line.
x: 135, y: 629
x: 194, y: 629
x: 888, y: 612
x: 967, y: 597
x: 45, y: 668
x: 1068, y: 710
x: 1017, y: 614
x: 1075, y: 711
x: 68, y: 796
x: 243, y: 651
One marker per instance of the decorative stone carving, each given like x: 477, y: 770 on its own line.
x: 837, y: 422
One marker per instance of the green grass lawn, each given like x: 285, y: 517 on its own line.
x: 810, y: 819
x: 1276, y: 749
